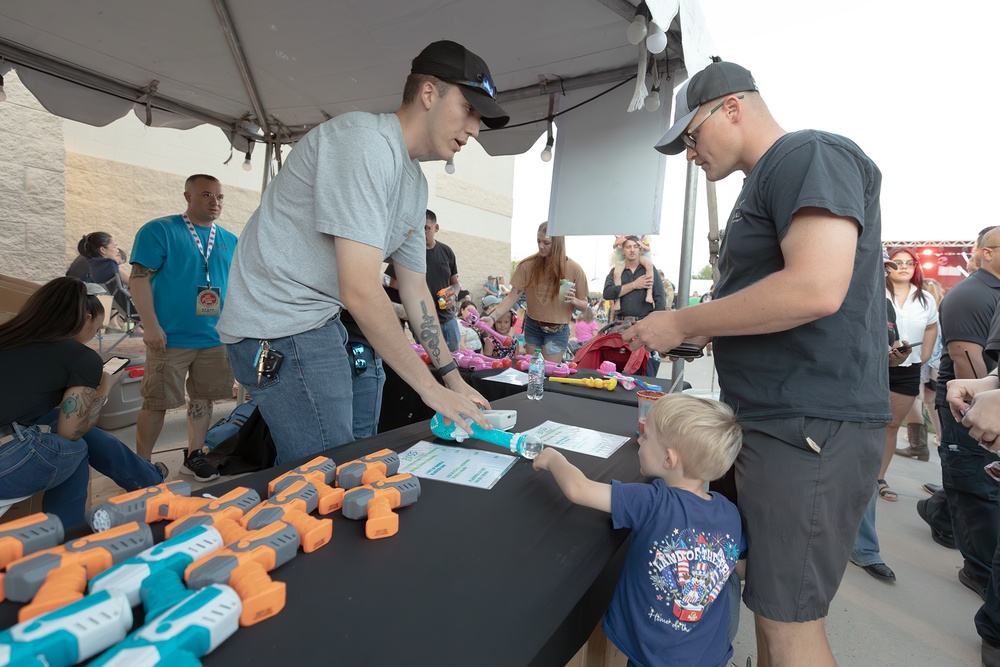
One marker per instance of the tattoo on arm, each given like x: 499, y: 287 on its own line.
x: 199, y: 410
x: 430, y: 334
x: 87, y: 407
x: 140, y: 271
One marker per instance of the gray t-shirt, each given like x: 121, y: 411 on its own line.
x: 350, y: 177
x: 834, y: 367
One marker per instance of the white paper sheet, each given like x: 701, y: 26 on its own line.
x: 457, y: 465
x: 577, y: 439
x: 510, y: 376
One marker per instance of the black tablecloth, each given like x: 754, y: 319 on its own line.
x: 516, y: 575
x: 617, y: 395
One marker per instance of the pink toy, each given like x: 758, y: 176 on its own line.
x: 474, y: 361
x: 552, y: 369
x: 419, y: 349
x: 472, y: 320
x: 607, y: 367
x: 626, y: 381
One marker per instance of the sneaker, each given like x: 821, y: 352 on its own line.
x: 164, y: 471
x: 968, y: 582
x: 196, y: 464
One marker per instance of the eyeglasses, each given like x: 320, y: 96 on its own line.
x: 211, y: 195
x: 906, y: 264
x: 688, y: 137
x: 485, y: 84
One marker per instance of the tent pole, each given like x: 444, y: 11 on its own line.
x: 687, y: 249
x: 268, y: 149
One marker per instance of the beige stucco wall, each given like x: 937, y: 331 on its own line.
x: 32, y: 185
x: 118, y: 198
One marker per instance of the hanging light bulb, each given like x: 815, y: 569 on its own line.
x: 547, y: 151
x: 652, y: 102
x: 449, y: 166
x: 3, y: 95
x: 656, y: 42
x: 636, y: 29
x: 246, y: 163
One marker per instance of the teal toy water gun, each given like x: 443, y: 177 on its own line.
x: 68, y: 635
x: 522, y: 444
x: 192, y: 625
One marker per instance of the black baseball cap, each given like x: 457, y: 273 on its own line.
x: 717, y: 80
x: 452, y: 62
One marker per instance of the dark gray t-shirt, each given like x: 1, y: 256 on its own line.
x: 441, y: 266
x: 966, y: 313
x: 834, y: 367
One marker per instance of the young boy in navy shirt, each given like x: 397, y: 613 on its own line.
x: 671, y: 606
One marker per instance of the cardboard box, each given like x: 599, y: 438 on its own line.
x: 14, y: 292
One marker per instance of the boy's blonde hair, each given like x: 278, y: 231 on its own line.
x: 703, y: 432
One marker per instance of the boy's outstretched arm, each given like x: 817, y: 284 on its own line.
x: 573, y: 483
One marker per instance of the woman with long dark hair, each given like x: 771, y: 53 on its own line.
x: 46, y: 366
x: 103, y: 258
x: 551, y: 282
x: 916, y: 321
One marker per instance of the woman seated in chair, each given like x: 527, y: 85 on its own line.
x: 46, y: 366
x: 104, y: 258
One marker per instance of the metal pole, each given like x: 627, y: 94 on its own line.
x: 687, y: 249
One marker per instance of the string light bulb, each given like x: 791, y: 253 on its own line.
x: 656, y: 41
x: 449, y: 166
x: 246, y: 163
x: 652, y: 102
x: 636, y: 30
x: 547, y: 151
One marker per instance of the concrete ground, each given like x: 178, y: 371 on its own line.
x: 923, y: 619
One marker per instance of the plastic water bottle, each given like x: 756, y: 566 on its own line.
x: 529, y: 446
x: 536, y: 376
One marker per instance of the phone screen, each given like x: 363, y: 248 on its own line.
x: 115, y: 364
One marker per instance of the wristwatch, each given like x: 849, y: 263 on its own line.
x: 444, y: 370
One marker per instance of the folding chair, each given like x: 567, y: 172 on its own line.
x: 119, y: 302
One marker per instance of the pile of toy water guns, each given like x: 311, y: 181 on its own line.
x: 208, y: 577
x: 612, y: 378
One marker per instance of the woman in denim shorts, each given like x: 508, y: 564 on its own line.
x: 550, y: 282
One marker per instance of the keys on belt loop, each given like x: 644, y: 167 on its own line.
x: 261, y: 359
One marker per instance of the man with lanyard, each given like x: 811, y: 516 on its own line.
x: 351, y: 195
x: 180, y: 268
x: 634, y: 283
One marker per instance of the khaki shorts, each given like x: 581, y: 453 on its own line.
x: 209, y: 376
x: 802, y: 509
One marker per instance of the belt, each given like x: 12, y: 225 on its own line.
x: 7, y: 433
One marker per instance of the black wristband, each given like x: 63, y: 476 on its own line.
x: 444, y: 370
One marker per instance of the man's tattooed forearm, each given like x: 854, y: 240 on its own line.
x: 430, y: 334
x: 140, y: 271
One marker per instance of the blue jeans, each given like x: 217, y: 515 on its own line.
x: 369, y: 378
x: 449, y: 331
x: 549, y: 343
x: 36, y: 461
x: 307, y: 404
x: 866, y: 551
x: 973, y: 497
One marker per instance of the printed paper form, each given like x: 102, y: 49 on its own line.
x: 510, y: 376
x: 458, y: 465
x: 577, y: 439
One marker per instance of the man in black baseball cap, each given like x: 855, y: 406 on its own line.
x: 351, y: 195
x: 454, y: 63
x: 801, y: 274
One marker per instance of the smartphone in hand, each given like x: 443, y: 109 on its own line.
x: 908, y: 347
x: 115, y: 364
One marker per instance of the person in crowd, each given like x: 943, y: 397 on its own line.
x: 442, y: 272
x: 618, y: 261
x: 688, y: 541
x: 550, y: 281
x: 814, y: 432
x: 916, y: 320
x: 40, y: 348
x: 694, y: 298
x: 180, y: 270
x: 490, y: 304
x: 504, y: 325
x: 635, y: 280
x: 975, y: 404
x: 669, y: 295
x: 103, y: 266
x: 928, y: 386
x: 351, y: 194
x: 586, y: 325
x: 866, y: 553
x: 490, y: 287
x: 502, y: 287
x: 966, y: 511
x: 469, y: 336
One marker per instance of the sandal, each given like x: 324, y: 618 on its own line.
x: 885, y: 493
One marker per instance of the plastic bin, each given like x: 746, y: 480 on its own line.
x: 125, y: 401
